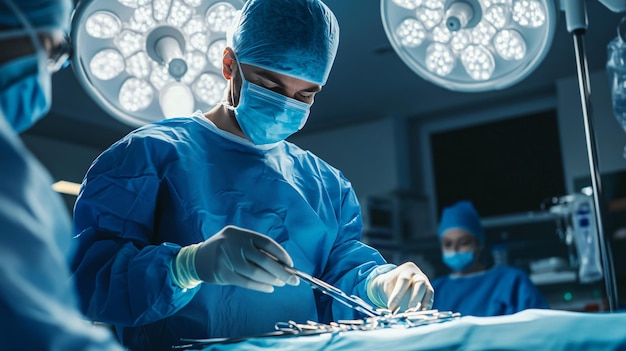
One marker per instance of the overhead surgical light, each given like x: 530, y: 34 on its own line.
x: 470, y: 45
x: 145, y: 60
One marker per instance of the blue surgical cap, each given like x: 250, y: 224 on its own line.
x: 298, y: 38
x: 462, y: 215
x: 42, y: 14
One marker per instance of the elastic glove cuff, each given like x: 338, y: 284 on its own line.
x: 375, y: 288
x: 376, y: 294
x: 183, y: 267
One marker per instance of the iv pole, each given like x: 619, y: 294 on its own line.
x: 576, y: 21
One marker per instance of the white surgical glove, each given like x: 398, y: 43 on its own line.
x: 233, y: 257
x: 404, y: 287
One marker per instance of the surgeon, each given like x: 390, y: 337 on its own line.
x: 38, y: 304
x: 175, y: 221
x: 472, y: 288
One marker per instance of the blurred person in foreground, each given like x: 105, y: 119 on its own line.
x: 38, y: 304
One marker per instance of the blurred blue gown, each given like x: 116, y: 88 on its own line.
x: 179, y: 181
x: 497, y: 291
x: 38, y: 304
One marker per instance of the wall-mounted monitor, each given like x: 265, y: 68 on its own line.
x: 505, y: 165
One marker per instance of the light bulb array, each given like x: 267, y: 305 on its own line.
x: 470, y: 45
x: 129, y: 51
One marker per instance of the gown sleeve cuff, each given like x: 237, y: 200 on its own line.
x: 183, y: 267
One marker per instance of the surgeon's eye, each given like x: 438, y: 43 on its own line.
x: 268, y: 84
x: 306, y: 97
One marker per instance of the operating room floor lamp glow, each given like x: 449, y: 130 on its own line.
x: 482, y: 45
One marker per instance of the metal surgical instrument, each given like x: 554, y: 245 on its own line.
x: 351, y: 301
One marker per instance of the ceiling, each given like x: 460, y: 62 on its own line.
x: 368, y: 81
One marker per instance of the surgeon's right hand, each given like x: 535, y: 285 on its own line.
x: 232, y: 257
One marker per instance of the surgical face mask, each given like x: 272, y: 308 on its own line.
x: 25, y: 94
x: 265, y: 116
x: 25, y: 86
x: 458, y: 261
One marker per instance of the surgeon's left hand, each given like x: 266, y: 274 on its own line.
x: 405, y: 287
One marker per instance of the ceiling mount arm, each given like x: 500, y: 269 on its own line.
x: 616, y: 6
x: 575, y: 15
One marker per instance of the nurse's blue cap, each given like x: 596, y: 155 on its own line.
x: 298, y: 38
x: 462, y: 215
x: 43, y: 15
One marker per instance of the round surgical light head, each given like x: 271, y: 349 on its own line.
x: 470, y: 45
x: 145, y: 60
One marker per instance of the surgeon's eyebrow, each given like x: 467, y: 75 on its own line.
x: 276, y: 80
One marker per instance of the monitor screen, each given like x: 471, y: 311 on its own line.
x: 505, y: 167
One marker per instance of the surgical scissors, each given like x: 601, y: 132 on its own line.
x: 351, y: 301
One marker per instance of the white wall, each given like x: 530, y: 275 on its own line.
x: 609, y: 136
x: 365, y: 153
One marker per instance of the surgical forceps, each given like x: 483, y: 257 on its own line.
x: 351, y: 301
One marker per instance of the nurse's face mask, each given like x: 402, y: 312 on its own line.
x: 25, y: 87
x: 265, y: 116
x: 458, y: 248
x: 458, y: 261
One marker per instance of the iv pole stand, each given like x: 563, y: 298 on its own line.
x: 576, y: 19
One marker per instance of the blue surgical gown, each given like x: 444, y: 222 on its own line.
x: 38, y: 304
x: 178, y: 182
x: 497, y: 291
